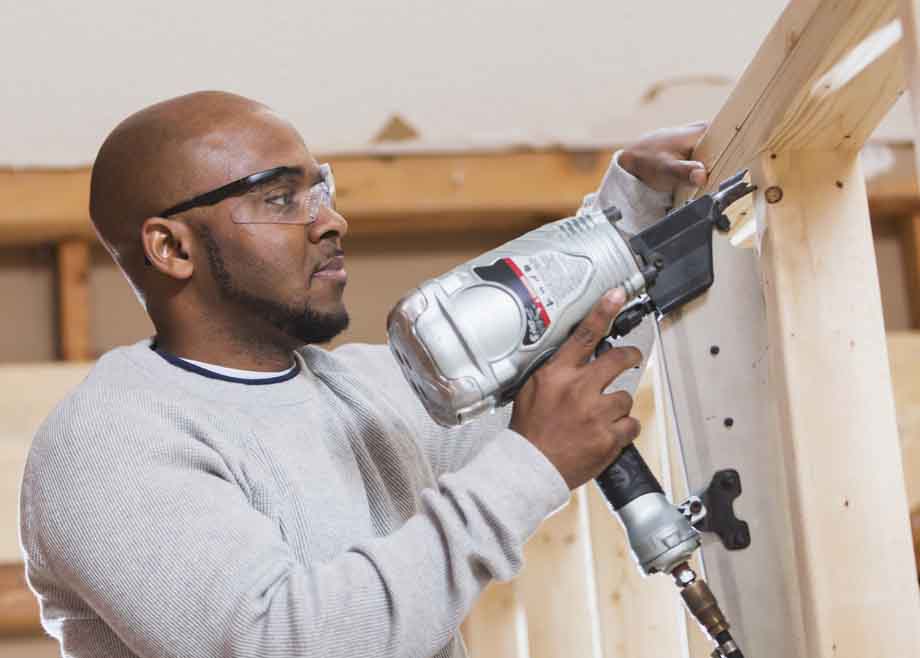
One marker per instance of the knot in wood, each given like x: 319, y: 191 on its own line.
x: 773, y: 194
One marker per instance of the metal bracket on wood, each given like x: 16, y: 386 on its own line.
x: 712, y: 510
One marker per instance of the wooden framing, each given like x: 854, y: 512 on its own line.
x: 910, y: 242
x: 380, y: 194
x: 73, y: 267
x: 17, y: 603
x: 498, y: 191
x: 803, y: 370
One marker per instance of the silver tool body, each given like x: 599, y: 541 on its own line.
x: 468, y: 338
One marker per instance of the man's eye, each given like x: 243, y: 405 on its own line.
x: 280, y: 199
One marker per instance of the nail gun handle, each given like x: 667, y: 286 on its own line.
x: 627, y: 478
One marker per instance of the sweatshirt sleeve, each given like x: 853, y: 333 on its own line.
x: 151, y: 528
x: 641, y: 206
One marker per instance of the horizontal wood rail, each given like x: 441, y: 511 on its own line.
x: 499, y: 191
x: 378, y: 194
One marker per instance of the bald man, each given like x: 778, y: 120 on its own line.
x: 226, y: 488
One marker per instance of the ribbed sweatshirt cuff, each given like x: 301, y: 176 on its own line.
x: 640, y: 204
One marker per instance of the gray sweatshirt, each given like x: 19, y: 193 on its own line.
x: 169, y: 514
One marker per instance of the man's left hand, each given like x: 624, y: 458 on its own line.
x: 660, y: 158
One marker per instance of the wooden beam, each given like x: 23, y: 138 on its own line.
x: 910, y: 246
x: 915, y: 526
x: 825, y: 325
x: 73, y: 265
x: 18, y: 607
x: 500, y: 191
x: 785, y: 99
x: 378, y: 194
x: 891, y: 180
x: 821, y: 60
x: 910, y: 20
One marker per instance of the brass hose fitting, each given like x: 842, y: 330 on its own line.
x: 703, y: 606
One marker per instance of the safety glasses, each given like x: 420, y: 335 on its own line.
x: 279, y: 195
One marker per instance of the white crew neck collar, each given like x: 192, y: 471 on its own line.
x: 239, y: 373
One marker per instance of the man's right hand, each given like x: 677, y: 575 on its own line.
x: 562, y: 409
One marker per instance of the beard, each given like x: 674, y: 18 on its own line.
x: 302, y: 323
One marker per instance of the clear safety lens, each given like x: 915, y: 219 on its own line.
x: 286, y: 201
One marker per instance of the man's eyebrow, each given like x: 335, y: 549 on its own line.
x: 281, y: 174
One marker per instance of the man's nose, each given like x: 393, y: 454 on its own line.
x: 328, y: 222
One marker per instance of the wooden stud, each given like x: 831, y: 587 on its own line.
x: 915, y: 527
x: 73, y: 266
x: 490, y: 631
x: 832, y: 384
x: 910, y: 245
x: 554, y: 586
x: 18, y: 607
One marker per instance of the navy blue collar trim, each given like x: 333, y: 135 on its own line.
x: 191, y: 367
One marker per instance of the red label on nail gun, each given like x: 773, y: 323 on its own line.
x: 507, y: 273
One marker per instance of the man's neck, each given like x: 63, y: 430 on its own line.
x: 263, y: 361
x: 230, y: 351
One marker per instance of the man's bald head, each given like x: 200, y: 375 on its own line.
x: 169, y: 152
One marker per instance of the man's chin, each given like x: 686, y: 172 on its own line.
x: 317, y: 328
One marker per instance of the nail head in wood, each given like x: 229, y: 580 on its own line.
x: 773, y: 194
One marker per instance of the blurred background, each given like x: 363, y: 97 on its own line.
x: 452, y: 127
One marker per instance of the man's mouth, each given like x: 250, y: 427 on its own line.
x: 333, y: 269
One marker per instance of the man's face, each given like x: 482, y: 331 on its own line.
x: 288, y: 275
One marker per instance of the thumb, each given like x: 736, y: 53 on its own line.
x: 688, y: 172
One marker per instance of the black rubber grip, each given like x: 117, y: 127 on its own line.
x: 627, y: 478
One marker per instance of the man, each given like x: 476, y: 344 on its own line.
x: 225, y: 489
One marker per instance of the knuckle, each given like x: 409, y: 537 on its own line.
x: 623, y: 402
x: 634, y: 356
x: 625, y: 357
x: 584, y: 335
x: 628, y: 428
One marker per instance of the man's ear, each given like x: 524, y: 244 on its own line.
x: 167, y: 246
